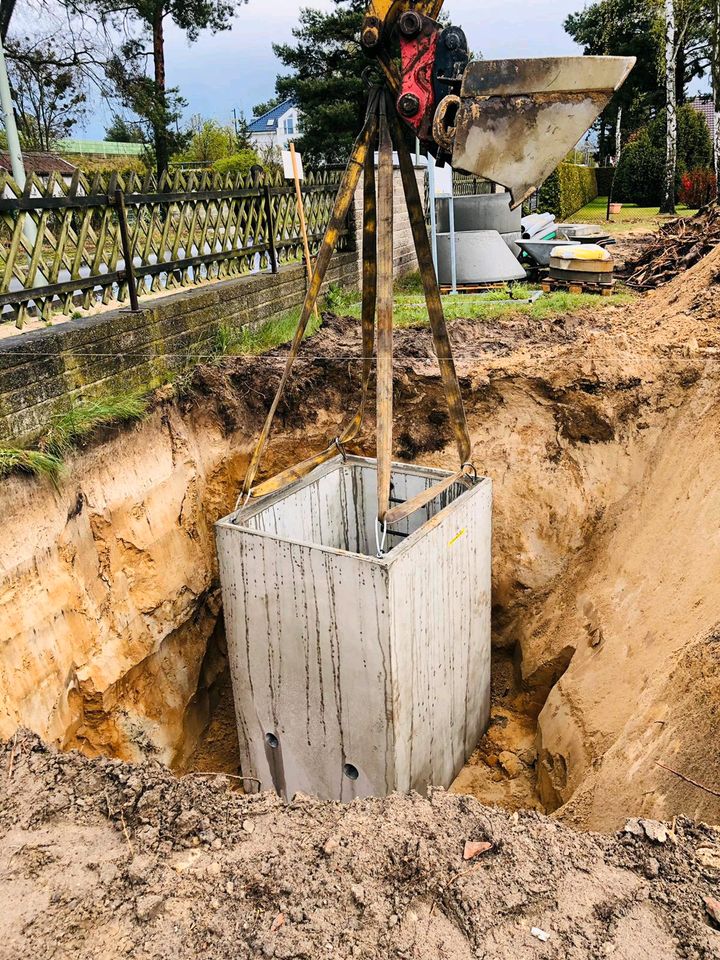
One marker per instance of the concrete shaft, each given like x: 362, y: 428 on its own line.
x: 353, y: 675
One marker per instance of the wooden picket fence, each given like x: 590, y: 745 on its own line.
x: 73, y: 244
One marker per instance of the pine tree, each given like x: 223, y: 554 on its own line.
x: 243, y: 140
x: 143, y: 23
x: 326, y: 84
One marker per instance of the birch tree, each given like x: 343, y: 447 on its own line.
x: 671, y: 50
x: 715, y: 73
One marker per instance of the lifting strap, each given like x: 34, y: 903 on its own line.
x: 385, y: 276
x: 436, y: 315
x: 343, y: 202
x: 377, y: 295
x: 369, y: 289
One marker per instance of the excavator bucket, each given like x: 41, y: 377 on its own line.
x: 515, y: 120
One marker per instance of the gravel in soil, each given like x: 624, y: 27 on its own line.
x: 103, y: 859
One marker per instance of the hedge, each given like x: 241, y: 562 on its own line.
x: 568, y: 189
x: 640, y: 172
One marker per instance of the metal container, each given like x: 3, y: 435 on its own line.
x: 488, y: 211
x: 355, y: 675
x: 482, y: 257
x: 582, y: 232
x: 574, y: 231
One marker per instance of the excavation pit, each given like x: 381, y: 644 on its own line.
x: 353, y: 674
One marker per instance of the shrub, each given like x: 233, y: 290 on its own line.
x: 694, y: 145
x: 639, y: 177
x: 697, y: 187
x: 567, y: 189
x: 239, y: 163
x: 640, y: 173
x: 209, y: 141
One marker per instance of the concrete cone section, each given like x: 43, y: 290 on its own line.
x: 357, y: 675
x: 482, y: 256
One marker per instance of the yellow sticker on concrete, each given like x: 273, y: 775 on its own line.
x: 460, y: 533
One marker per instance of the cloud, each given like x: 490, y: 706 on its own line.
x: 237, y: 68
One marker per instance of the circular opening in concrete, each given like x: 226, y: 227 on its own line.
x: 351, y: 772
x: 271, y: 740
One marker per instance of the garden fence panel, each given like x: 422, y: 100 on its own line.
x: 61, y: 245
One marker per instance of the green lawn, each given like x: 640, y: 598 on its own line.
x: 410, y: 309
x: 631, y: 219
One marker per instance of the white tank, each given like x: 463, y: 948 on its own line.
x: 355, y: 675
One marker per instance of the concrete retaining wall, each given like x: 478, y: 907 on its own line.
x: 43, y: 372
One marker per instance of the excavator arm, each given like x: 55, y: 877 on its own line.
x: 510, y: 121
x: 382, y: 15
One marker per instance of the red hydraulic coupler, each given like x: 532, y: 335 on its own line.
x: 418, y: 46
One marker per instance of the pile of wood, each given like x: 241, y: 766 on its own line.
x: 676, y: 246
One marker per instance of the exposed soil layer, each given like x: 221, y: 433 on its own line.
x: 102, y: 859
x: 503, y: 769
x: 599, y: 432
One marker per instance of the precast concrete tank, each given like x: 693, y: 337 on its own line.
x: 353, y: 673
x: 487, y: 211
x: 482, y: 256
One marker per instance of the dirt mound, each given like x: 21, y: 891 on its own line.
x: 633, y: 616
x: 102, y: 859
x: 675, y: 247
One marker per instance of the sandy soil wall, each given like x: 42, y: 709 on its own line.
x: 108, y: 592
x: 600, y: 435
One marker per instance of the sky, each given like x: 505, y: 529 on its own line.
x: 237, y: 68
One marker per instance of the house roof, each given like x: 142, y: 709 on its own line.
x: 41, y: 164
x: 268, y: 122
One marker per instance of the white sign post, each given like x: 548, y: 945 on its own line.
x: 293, y: 169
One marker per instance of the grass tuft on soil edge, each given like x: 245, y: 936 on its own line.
x: 71, y: 426
x: 67, y: 429
x: 38, y: 463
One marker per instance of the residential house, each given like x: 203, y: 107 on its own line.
x: 706, y: 108
x: 276, y: 128
x: 40, y: 164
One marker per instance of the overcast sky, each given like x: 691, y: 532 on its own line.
x: 238, y: 68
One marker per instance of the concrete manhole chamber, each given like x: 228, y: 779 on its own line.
x: 355, y: 675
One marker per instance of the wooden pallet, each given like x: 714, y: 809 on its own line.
x: 549, y: 284
x: 474, y: 287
